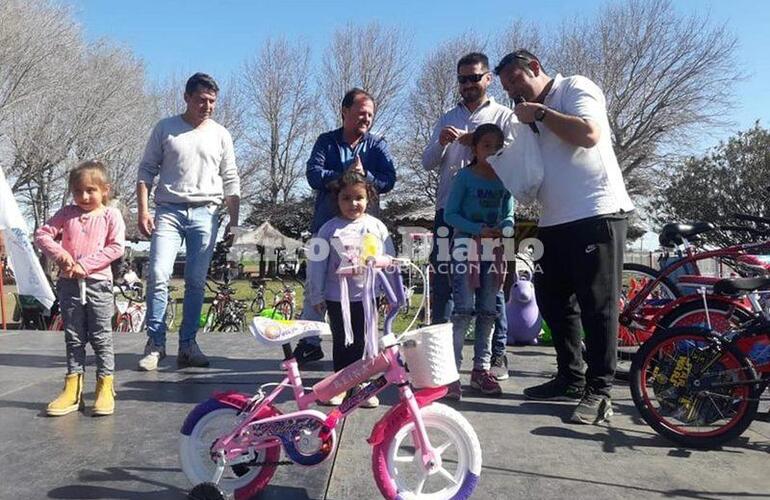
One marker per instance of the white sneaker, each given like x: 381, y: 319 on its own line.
x: 152, y: 355
x: 335, y: 400
x: 372, y: 402
x: 499, y: 368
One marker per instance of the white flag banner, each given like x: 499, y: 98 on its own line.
x: 30, y: 279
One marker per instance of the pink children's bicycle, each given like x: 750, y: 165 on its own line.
x: 231, y: 444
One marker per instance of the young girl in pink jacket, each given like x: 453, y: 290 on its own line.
x: 83, y: 239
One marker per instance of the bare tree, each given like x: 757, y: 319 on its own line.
x: 281, y: 112
x: 97, y: 98
x: 372, y: 57
x: 434, y: 93
x: 105, y: 126
x: 34, y: 36
x: 517, y: 35
x: 666, y: 78
x: 168, y: 94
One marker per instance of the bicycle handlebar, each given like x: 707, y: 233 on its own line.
x: 753, y: 218
x: 136, y: 288
x: 749, y: 229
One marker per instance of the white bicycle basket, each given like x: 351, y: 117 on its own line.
x: 429, y: 355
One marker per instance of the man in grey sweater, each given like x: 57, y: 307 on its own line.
x: 193, y: 158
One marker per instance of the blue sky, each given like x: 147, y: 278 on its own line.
x: 177, y: 36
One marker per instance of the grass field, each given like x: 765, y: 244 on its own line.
x: 244, y: 292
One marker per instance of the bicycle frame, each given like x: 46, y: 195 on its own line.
x: 631, y: 315
x: 255, y: 432
x: 135, y: 309
x: 746, y: 335
x: 388, y: 361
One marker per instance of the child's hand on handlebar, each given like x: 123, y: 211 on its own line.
x: 320, y: 308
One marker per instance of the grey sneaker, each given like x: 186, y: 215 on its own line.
x: 152, y: 355
x: 190, y: 355
x: 592, y: 409
x: 499, y: 368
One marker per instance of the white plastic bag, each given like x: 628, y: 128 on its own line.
x: 519, y: 165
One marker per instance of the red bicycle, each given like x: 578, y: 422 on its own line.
x: 652, y: 300
x: 700, y: 387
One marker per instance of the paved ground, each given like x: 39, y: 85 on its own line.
x: 529, y: 449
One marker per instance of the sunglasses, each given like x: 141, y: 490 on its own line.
x: 470, y: 78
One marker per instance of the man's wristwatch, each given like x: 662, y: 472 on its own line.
x: 540, y: 113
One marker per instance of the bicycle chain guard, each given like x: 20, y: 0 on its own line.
x: 299, y: 437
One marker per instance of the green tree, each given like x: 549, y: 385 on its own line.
x: 732, y: 178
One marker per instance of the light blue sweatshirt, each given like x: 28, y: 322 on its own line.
x: 475, y: 202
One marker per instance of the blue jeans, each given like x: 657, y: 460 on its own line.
x: 480, y: 302
x: 196, y: 227
x: 500, y: 335
x: 441, y: 291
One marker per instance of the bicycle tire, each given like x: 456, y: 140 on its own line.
x: 661, y: 295
x: 123, y: 324
x: 57, y: 323
x: 723, y: 315
x: 671, y: 407
x: 211, y: 319
x: 138, y: 319
x: 394, y: 476
x: 257, y: 305
x: 667, y: 285
x: 286, y: 309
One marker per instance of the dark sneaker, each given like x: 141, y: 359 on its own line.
x: 190, y: 355
x: 499, y: 368
x: 592, y: 409
x: 454, y: 391
x: 483, y: 381
x: 306, y: 353
x: 554, y: 390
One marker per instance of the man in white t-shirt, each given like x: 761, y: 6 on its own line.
x: 582, y: 228
x: 448, y: 151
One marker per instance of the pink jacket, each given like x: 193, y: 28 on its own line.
x: 94, y: 240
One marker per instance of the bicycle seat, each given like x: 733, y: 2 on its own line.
x: 276, y: 332
x: 738, y: 286
x: 257, y: 283
x: 674, y: 234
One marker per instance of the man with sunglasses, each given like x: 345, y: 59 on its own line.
x: 582, y: 228
x: 449, y: 151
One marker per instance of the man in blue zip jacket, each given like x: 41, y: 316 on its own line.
x: 348, y: 148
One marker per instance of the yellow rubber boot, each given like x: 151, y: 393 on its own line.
x: 71, y: 397
x: 105, y: 396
